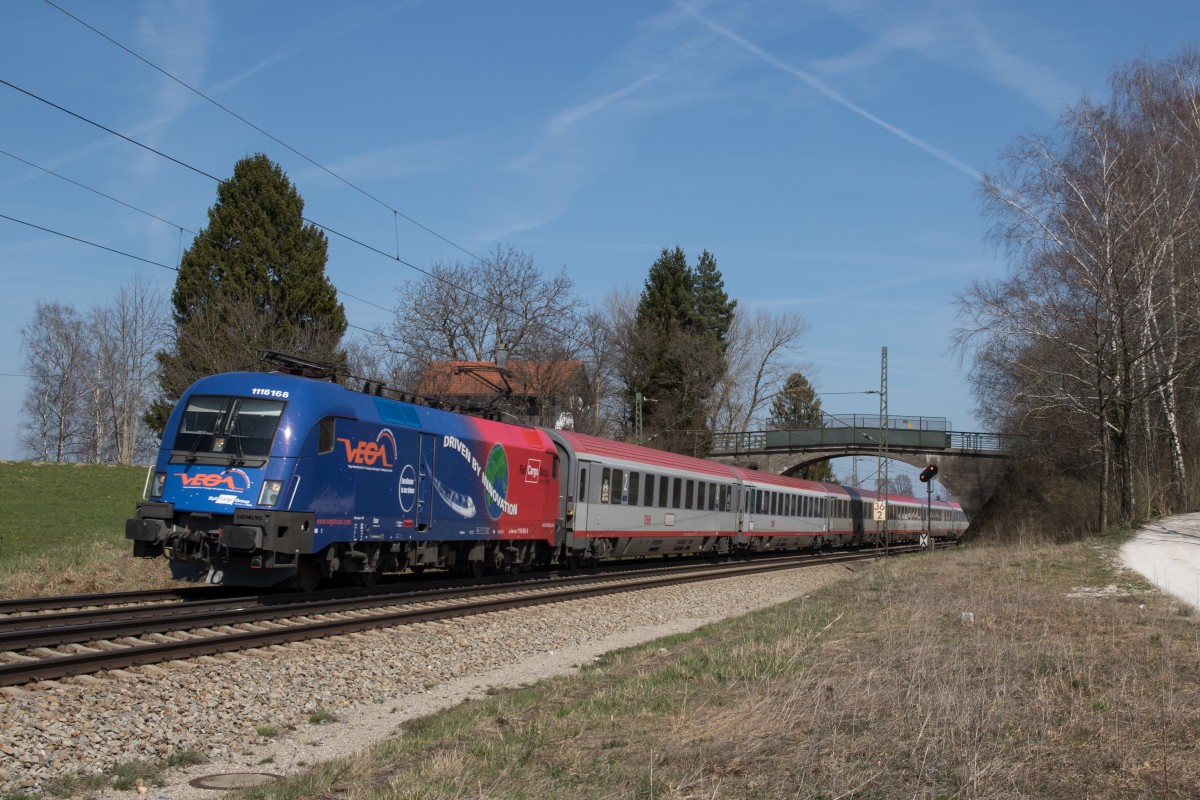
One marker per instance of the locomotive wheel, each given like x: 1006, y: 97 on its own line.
x: 417, y: 569
x: 369, y: 578
x: 308, y: 575
x: 476, y: 569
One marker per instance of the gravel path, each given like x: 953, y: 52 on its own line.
x: 1167, y: 553
x: 372, y: 682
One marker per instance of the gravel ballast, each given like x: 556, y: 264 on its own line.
x: 369, y: 682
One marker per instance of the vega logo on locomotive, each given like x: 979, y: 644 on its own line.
x: 378, y: 456
x: 233, y: 480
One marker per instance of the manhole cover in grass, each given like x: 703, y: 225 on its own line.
x: 233, y: 780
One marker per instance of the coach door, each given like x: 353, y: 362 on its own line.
x: 745, y: 510
x: 425, y: 457
x: 584, y: 491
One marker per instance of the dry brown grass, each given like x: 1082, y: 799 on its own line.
x: 875, y: 688
x: 92, y: 567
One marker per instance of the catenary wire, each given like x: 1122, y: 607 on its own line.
x: 564, y: 334
x: 270, y: 136
x: 97, y: 191
x: 199, y: 171
x: 85, y: 241
x: 176, y: 269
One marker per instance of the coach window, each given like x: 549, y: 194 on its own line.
x: 582, y: 486
x: 663, y: 482
x: 648, y: 500
x: 689, y: 494
x: 605, y: 485
x: 554, y: 468
x: 618, y: 487
x: 700, y: 495
x: 677, y: 493
x: 712, y: 497
x: 635, y: 486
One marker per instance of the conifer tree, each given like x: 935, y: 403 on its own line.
x: 797, y: 407
x: 677, y: 353
x: 253, y: 279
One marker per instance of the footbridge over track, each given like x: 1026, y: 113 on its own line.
x: 970, y: 465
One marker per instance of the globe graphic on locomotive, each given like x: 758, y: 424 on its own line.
x: 495, y: 470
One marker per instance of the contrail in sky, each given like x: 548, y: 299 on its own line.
x: 758, y: 52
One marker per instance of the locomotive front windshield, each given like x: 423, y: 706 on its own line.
x: 235, y: 426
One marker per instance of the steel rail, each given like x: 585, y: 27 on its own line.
x: 78, y: 626
x: 38, y: 604
x: 28, y: 632
x: 28, y: 669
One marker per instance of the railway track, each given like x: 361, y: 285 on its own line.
x: 48, y: 647
x: 39, y: 605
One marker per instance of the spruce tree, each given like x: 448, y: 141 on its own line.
x: 253, y: 279
x: 714, y: 309
x: 677, y: 355
x: 797, y: 407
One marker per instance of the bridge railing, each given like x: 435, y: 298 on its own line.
x: 980, y: 442
x: 737, y: 442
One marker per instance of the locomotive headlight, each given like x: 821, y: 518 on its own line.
x: 270, y: 493
x: 156, y: 488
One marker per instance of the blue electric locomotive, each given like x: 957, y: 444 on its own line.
x: 267, y: 478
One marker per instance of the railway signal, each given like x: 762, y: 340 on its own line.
x: 926, y: 477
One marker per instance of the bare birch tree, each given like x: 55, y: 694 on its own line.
x: 125, y: 335
x: 1093, y: 330
x: 55, y: 405
x: 762, y: 348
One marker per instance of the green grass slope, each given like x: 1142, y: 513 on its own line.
x: 62, y: 529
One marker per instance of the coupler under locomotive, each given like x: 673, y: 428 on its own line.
x: 247, y: 548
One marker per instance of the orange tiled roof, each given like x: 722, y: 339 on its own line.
x: 472, y: 378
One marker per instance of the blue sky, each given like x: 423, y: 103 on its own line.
x: 827, y: 152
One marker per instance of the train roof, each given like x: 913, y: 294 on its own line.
x: 867, y: 494
x: 647, y: 456
x: 317, y: 398
x: 757, y: 476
